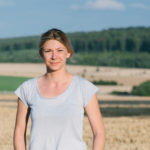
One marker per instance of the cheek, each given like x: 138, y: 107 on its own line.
x: 46, y: 58
x: 66, y: 54
x: 63, y: 55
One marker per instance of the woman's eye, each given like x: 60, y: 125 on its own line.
x: 47, y: 51
x: 60, y: 50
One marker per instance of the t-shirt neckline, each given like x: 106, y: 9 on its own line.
x: 58, y: 96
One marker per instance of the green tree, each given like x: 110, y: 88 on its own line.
x: 129, y: 44
x: 145, y: 46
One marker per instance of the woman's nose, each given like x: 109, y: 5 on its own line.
x: 53, y: 55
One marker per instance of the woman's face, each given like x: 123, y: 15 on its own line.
x: 55, y: 55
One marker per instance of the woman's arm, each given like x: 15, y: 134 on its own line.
x: 19, y: 137
x: 95, y: 118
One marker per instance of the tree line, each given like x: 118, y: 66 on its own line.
x: 121, y: 47
x: 131, y: 39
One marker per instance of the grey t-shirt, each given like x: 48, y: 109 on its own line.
x: 56, y: 123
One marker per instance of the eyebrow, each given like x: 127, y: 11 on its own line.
x: 61, y: 48
x: 56, y: 49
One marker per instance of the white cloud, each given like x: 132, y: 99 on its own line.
x: 140, y: 5
x: 4, y: 3
x: 100, y: 5
x: 105, y: 5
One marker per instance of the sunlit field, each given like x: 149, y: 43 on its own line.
x: 126, y: 118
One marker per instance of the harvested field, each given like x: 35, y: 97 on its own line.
x: 123, y: 133
x: 126, y: 118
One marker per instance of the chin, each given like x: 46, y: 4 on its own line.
x: 54, y: 67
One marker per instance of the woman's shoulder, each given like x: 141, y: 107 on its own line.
x: 28, y: 82
x: 31, y: 80
x: 88, y: 89
x: 85, y: 83
x: 84, y: 80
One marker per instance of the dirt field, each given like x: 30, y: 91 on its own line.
x: 123, y: 130
x: 122, y: 133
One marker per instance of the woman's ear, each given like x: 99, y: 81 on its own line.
x: 68, y: 55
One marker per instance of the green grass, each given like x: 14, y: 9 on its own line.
x: 10, y: 83
x: 115, y: 58
x: 142, y: 90
x: 106, y: 58
x: 101, y: 82
x: 121, y: 93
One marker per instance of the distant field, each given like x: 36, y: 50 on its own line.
x: 10, y: 83
x: 125, y: 78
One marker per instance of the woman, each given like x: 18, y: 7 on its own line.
x: 56, y: 101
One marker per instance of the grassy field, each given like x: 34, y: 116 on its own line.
x: 10, y: 83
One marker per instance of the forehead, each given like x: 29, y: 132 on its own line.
x: 53, y: 44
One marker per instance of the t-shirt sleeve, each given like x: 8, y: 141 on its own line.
x: 89, y: 89
x: 21, y: 92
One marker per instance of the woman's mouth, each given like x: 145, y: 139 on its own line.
x: 54, y: 63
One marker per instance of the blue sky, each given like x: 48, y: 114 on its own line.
x: 33, y: 17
